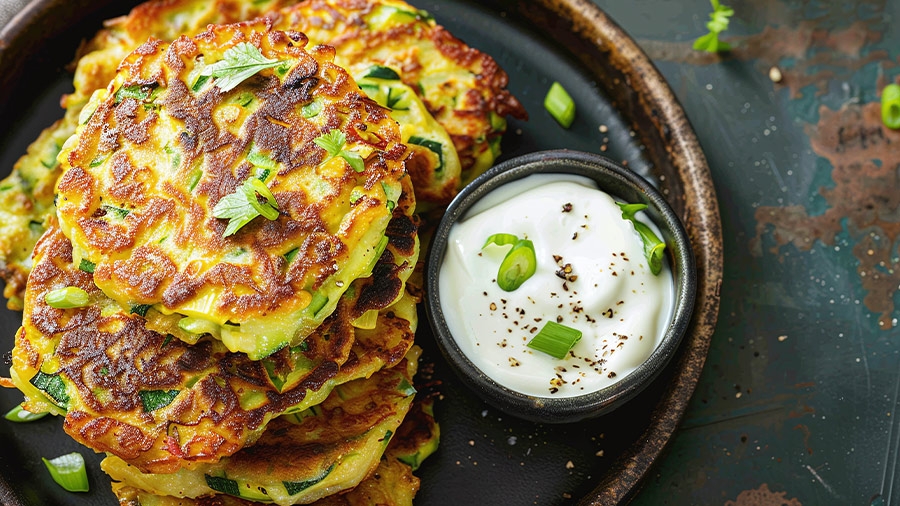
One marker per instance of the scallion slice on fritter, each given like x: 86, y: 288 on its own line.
x: 234, y: 179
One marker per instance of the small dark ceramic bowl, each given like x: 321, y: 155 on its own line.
x: 619, y: 182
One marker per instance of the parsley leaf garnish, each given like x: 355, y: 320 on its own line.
x: 718, y: 23
x: 250, y: 200
x: 333, y: 143
x: 239, y: 63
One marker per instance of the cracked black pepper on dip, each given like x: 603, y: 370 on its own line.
x: 590, y: 278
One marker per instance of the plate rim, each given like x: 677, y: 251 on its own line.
x: 701, y: 219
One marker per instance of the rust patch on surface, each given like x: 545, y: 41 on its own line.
x: 864, y: 199
x: 762, y: 496
x: 806, y: 434
x: 801, y: 411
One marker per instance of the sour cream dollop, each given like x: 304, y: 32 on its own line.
x: 591, y: 275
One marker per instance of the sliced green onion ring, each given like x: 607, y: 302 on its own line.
x: 20, y: 414
x: 654, y: 248
x: 69, y: 472
x: 242, y: 206
x: 255, y: 187
x: 67, y: 298
x: 890, y: 106
x: 195, y: 178
x: 517, y: 266
x: 555, y: 339
x: 560, y: 105
x: 500, y: 239
x: 311, y: 109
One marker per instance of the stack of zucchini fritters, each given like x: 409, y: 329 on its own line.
x: 212, y: 248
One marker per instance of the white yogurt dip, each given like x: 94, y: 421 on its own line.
x: 591, y: 275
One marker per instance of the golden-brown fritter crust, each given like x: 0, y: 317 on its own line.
x: 480, y: 109
x: 342, y: 417
x: 143, y: 175
x: 291, y: 452
x: 159, y: 19
x: 27, y: 194
x: 303, y: 456
x: 112, y: 368
x: 462, y: 106
x: 108, y: 361
x: 464, y: 88
x: 392, y: 484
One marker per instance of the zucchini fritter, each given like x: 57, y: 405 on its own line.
x: 303, y: 457
x: 26, y: 201
x: 159, y: 403
x: 392, y: 483
x: 163, y: 185
x: 26, y: 195
x: 463, y: 88
x: 166, y: 20
x: 240, y: 210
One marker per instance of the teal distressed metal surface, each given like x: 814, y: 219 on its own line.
x: 798, y: 400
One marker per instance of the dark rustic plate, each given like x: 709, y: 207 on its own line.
x: 625, y: 110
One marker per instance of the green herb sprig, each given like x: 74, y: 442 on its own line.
x: 333, y: 143
x: 238, y: 64
x: 718, y: 23
x: 250, y: 200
